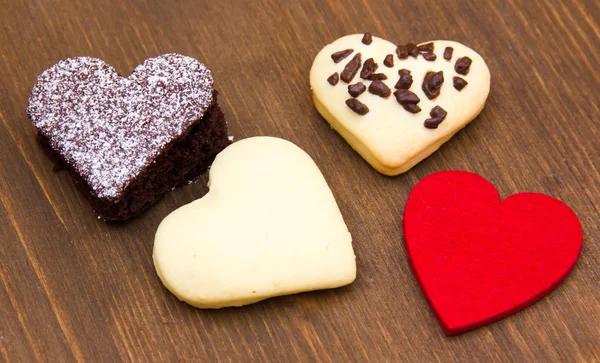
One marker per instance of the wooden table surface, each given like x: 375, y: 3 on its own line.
x: 75, y: 288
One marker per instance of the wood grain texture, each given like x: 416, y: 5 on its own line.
x: 74, y: 288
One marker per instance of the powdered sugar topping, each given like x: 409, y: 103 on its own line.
x: 109, y: 128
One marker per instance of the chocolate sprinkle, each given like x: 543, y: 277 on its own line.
x: 459, y: 83
x: 412, y: 108
x: 380, y: 89
x: 368, y: 68
x: 405, y: 80
x: 404, y: 96
x: 429, y: 57
x: 351, y: 68
x: 389, y: 61
x: 356, y: 89
x: 341, y: 55
x: 367, y: 39
x: 432, y: 83
x: 438, y: 115
x: 402, y: 51
x: 357, y: 106
x: 448, y: 53
x: 110, y: 128
x: 333, y: 79
x: 462, y: 65
x: 426, y: 48
x: 412, y: 49
x: 377, y: 77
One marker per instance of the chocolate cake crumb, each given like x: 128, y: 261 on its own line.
x: 389, y: 61
x: 380, y: 89
x: 459, y: 83
x: 356, y: 89
x: 438, y: 115
x: 357, y: 106
x: 367, y: 39
x: 432, y: 83
x: 448, y: 53
x: 333, y: 79
x: 341, y: 55
x: 462, y: 65
x: 351, y: 68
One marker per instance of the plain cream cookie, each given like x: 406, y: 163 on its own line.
x: 389, y: 137
x: 268, y: 226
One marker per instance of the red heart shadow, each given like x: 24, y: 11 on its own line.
x: 479, y: 259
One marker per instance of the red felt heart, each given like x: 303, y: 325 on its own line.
x: 479, y: 259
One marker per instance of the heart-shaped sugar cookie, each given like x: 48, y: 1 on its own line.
x: 395, y: 105
x: 269, y: 226
x: 479, y: 259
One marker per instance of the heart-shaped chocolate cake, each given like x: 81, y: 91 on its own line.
x: 128, y: 141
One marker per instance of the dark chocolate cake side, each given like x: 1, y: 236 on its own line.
x: 182, y: 161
